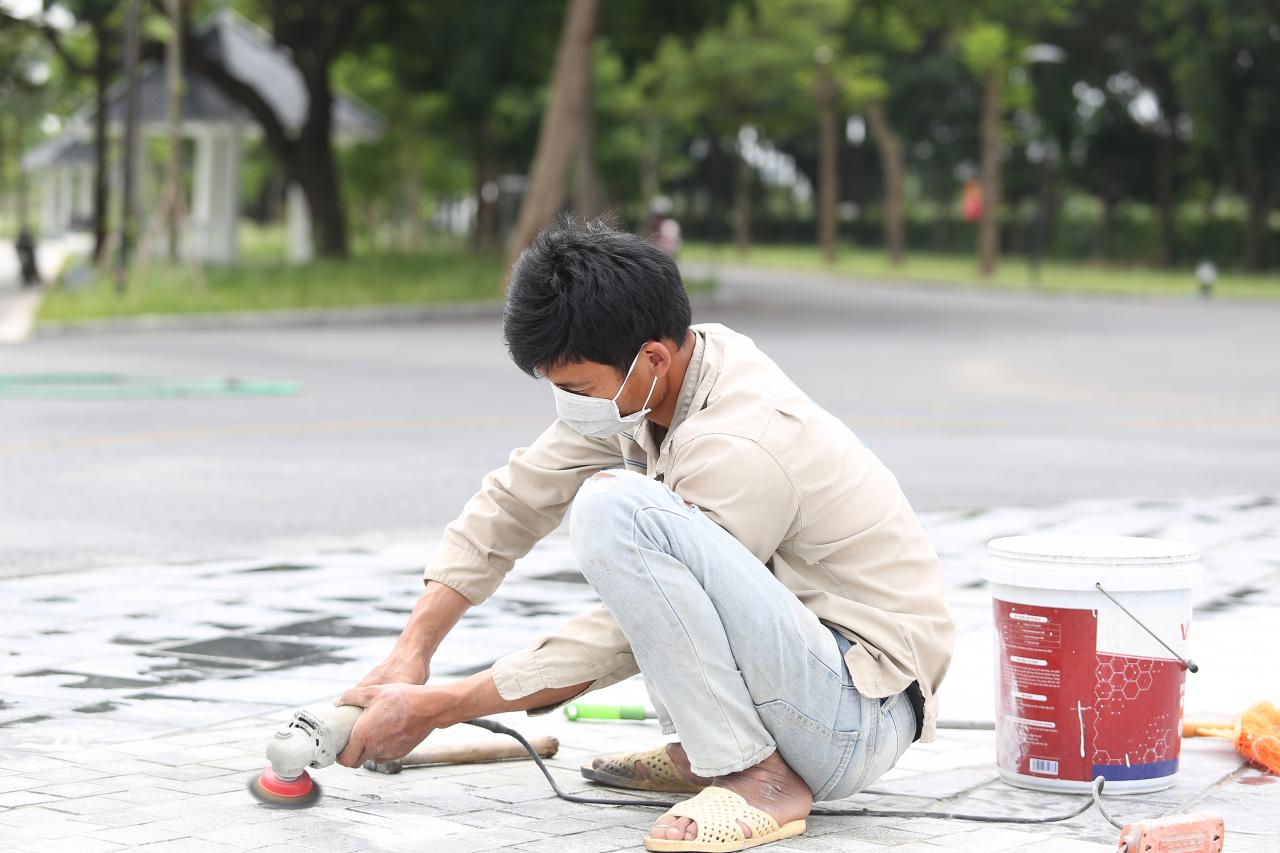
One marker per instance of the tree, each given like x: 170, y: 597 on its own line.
x: 1113, y: 162
x: 993, y: 41
x: 486, y: 62
x: 313, y: 37
x: 101, y: 18
x: 758, y: 69
x: 22, y: 93
x: 883, y: 42
x: 561, y: 125
x: 988, y: 54
x: 571, y: 98
x: 1224, y: 59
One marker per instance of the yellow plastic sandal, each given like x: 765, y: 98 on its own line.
x: 619, y: 771
x: 717, y: 811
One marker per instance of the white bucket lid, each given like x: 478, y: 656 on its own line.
x: 1076, y: 562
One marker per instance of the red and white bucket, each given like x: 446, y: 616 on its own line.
x: 1082, y: 689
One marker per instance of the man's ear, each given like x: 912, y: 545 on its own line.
x: 660, y: 356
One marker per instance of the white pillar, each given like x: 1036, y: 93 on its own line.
x: 143, y: 197
x: 49, y: 202
x: 215, y: 197
x: 64, y: 189
x: 84, y: 192
x: 225, y: 204
x: 201, y: 181
x: 299, y: 224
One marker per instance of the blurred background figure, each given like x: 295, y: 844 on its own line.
x: 25, y: 246
x: 663, y: 230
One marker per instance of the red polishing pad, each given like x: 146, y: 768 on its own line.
x: 273, y: 784
x: 274, y: 791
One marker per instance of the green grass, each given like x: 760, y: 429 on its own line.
x: 437, y: 276
x: 263, y: 282
x: 1056, y: 276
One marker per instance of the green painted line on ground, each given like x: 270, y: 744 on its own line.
x: 119, y: 386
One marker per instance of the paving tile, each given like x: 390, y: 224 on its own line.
x: 1065, y: 845
x: 81, y: 789
x: 994, y: 838
x: 17, y: 782
x: 188, y: 845
x: 63, y: 772
x: 133, y: 836
x: 590, y: 841
x: 60, y: 828
x: 13, y: 799
x: 86, y: 806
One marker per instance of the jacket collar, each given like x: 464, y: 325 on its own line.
x: 698, y: 379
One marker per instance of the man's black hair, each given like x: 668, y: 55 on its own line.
x: 588, y: 292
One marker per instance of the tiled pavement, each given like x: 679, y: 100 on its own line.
x: 135, y: 704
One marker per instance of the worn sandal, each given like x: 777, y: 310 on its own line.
x: 716, y: 811
x: 619, y: 771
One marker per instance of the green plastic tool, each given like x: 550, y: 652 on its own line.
x: 578, y: 711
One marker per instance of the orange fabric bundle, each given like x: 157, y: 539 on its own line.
x: 1256, y: 734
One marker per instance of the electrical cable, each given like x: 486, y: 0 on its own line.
x: 1095, y: 798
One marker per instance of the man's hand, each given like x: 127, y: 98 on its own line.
x: 435, y: 613
x: 396, y: 718
x: 397, y: 670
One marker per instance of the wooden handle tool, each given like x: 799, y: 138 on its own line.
x: 465, y: 753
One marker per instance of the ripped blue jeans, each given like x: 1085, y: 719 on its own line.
x: 734, y: 663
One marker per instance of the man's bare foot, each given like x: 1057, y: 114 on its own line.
x: 678, y: 757
x: 771, y: 786
x: 641, y: 771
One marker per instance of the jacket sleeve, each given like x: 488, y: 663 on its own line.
x: 589, y: 647
x: 741, y: 486
x: 517, y: 505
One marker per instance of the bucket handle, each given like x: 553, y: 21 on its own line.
x: 1187, y: 662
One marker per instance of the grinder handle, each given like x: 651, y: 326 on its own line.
x: 341, y: 721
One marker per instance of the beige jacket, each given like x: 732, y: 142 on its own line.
x: 764, y: 461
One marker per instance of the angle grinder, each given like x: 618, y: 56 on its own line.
x: 313, y: 738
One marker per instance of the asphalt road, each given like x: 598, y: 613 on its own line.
x: 972, y: 398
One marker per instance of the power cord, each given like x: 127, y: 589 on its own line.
x: 1095, y: 798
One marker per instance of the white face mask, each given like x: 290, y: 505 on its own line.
x: 596, y: 416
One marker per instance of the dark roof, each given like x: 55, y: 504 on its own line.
x: 65, y: 149
x: 250, y: 54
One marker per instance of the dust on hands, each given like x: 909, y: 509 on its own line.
x: 396, y: 718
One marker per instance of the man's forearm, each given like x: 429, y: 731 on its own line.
x: 438, y: 609
x: 477, y: 695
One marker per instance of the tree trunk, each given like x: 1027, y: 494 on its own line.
x: 22, y: 191
x: 828, y: 166
x: 412, y: 189
x: 1102, y: 243
x: 649, y: 183
x: 941, y: 229
x: 315, y: 169
x: 317, y: 175
x: 1166, y: 154
x: 127, y: 201
x: 4, y: 159
x: 741, y: 204
x: 101, y: 185
x: 989, y: 226
x: 1255, y: 230
x: 1211, y: 203
x: 586, y: 180
x: 485, y: 238
x: 890, y: 147
x: 176, y: 86
x: 560, y: 126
